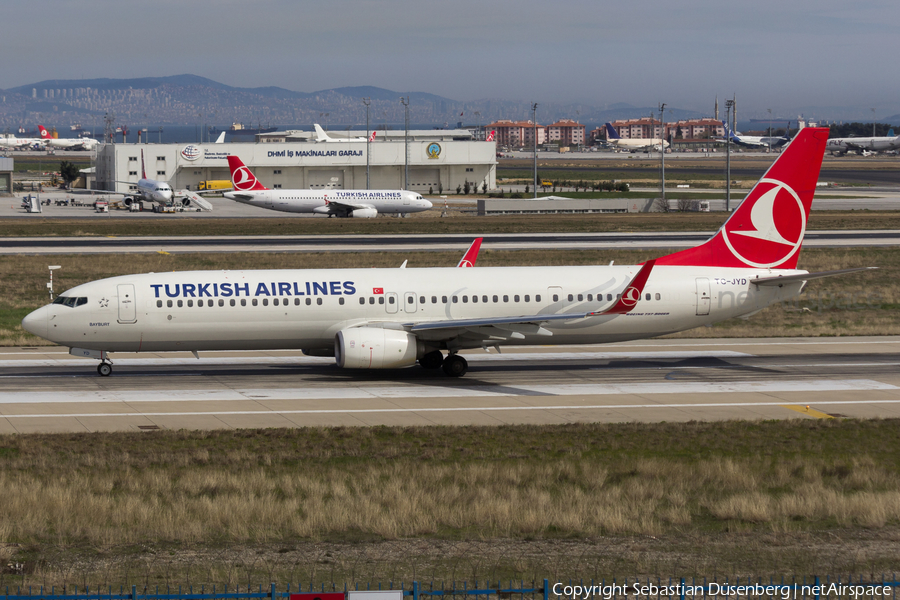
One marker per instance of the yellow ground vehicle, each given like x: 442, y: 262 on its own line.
x: 214, y: 184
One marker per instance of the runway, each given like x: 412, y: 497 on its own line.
x: 382, y: 243
x: 45, y: 389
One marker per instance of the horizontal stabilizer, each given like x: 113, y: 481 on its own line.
x: 781, y: 280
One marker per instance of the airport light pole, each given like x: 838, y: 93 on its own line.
x: 534, y: 143
x: 873, y: 122
x: 728, y: 106
x: 367, y: 102
x: 769, y: 141
x: 662, y: 152
x: 405, y: 103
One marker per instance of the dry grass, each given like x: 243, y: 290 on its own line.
x: 358, y: 504
x: 204, y: 488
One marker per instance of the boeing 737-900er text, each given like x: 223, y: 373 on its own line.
x: 391, y: 318
x: 364, y: 204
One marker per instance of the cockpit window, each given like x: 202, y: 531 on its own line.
x: 70, y: 301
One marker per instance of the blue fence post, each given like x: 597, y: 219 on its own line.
x: 817, y: 587
x: 682, y: 589
x: 415, y: 590
x: 546, y: 589
x: 272, y: 592
x: 133, y: 592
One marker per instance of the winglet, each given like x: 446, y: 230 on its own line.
x: 471, y: 255
x: 629, y: 298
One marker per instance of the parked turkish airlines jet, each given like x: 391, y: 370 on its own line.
x: 364, y: 204
x: 863, y: 145
x: 67, y: 143
x: 321, y: 136
x: 390, y: 318
x: 633, y: 144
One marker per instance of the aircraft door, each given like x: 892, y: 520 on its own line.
x: 555, y: 297
x: 703, y: 296
x: 391, y: 305
x: 127, y: 304
x: 410, y: 305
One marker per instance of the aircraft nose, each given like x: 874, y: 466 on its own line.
x: 36, y: 322
x: 426, y: 203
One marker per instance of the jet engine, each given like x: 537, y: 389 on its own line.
x: 364, y: 213
x: 376, y: 348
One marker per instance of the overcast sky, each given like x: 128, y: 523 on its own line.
x: 777, y: 54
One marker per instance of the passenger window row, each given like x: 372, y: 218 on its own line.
x: 243, y: 302
x: 475, y: 299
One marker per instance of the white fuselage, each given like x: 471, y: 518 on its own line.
x: 316, y: 201
x: 71, y: 144
x: 639, y: 143
x: 154, y: 191
x: 13, y: 142
x: 873, y: 144
x: 304, y: 309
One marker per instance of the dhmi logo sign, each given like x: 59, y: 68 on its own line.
x: 433, y: 150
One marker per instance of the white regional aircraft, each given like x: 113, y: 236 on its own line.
x: 391, y: 318
x: 633, y: 144
x: 364, y: 204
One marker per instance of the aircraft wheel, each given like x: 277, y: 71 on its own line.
x: 104, y: 369
x: 455, y: 365
x: 432, y: 360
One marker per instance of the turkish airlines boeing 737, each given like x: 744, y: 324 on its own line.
x: 364, y: 204
x: 391, y: 318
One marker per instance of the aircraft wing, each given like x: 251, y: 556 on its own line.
x: 339, y: 208
x: 518, y: 327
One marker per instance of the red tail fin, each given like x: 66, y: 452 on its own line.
x: 766, y: 231
x: 242, y: 178
x: 45, y: 135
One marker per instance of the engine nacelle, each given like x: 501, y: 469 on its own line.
x: 364, y: 213
x: 376, y: 348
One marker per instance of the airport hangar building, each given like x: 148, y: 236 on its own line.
x: 438, y: 159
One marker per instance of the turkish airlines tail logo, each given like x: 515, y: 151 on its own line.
x: 45, y: 135
x: 372, y: 137
x: 242, y: 178
x: 490, y: 138
x: 766, y: 231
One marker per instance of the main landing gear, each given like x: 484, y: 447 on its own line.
x: 104, y: 369
x: 454, y: 365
